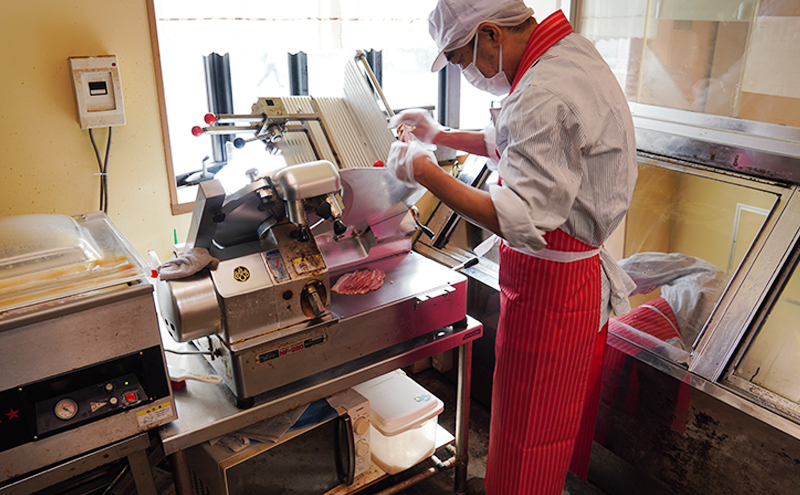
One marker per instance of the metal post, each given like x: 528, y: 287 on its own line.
x: 142, y: 474
x: 219, y: 94
x: 375, y: 60
x: 450, y: 96
x: 462, y: 416
x: 180, y: 473
x: 298, y: 74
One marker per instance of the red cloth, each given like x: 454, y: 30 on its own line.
x: 653, y: 318
x: 583, y: 443
x: 549, y: 318
x: 547, y: 33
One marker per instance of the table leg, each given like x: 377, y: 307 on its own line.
x: 142, y: 474
x: 180, y: 473
x: 462, y: 416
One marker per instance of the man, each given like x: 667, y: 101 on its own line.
x: 567, y: 160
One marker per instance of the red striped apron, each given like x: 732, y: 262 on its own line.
x: 653, y: 318
x: 579, y: 465
x: 548, y: 328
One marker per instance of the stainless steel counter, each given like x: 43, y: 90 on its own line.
x: 206, y: 411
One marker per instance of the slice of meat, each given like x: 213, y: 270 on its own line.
x: 359, y: 282
x: 404, y: 133
x: 344, y: 281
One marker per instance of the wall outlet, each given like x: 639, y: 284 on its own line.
x: 98, y: 91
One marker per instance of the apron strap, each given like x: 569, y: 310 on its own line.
x: 621, y: 284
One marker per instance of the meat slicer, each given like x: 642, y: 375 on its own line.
x: 266, y: 315
x: 271, y: 273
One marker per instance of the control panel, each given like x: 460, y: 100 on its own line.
x: 32, y: 411
x: 357, y: 407
x: 79, y: 406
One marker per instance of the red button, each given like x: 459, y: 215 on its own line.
x: 130, y: 397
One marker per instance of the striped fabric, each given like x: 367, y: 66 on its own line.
x: 568, y: 164
x: 547, y: 33
x: 621, y: 380
x: 581, y: 455
x: 550, y: 312
x: 568, y: 150
x: 654, y: 318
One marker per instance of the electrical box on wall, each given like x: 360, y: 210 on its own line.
x: 98, y: 92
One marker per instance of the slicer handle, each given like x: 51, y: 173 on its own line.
x: 314, y: 300
x: 470, y: 262
x: 425, y: 230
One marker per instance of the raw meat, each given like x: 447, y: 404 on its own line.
x: 404, y: 133
x: 359, y: 282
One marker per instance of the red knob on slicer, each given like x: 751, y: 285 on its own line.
x: 378, y: 163
x: 197, y: 130
x: 210, y: 118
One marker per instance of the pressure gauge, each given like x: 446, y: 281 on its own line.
x: 66, y: 409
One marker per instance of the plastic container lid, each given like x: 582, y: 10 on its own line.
x: 46, y: 257
x: 398, y: 403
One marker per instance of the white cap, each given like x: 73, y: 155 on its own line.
x: 453, y: 23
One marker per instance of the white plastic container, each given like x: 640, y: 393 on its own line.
x: 404, y: 418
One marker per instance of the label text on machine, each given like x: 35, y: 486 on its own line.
x: 291, y: 348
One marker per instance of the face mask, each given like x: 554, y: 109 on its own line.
x: 498, y: 85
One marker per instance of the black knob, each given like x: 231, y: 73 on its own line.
x: 339, y: 228
x: 239, y: 143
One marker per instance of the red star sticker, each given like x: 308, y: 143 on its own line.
x: 12, y: 414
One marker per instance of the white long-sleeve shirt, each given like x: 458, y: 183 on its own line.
x: 567, y: 151
x: 567, y: 147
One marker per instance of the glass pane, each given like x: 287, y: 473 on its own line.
x: 694, y: 54
x: 720, y: 57
x: 771, y: 82
x: 774, y: 356
x: 617, y: 29
x: 685, y: 237
x: 306, y: 463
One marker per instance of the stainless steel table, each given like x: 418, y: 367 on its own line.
x: 206, y: 411
x: 133, y: 448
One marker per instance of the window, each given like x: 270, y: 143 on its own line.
x: 686, y: 235
x: 734, y: 58
x: 258, y: 38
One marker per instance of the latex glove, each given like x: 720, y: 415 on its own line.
x: 423, y: 126
x: 491, y: 148
x: 401, y: 160
x: 187, y: 264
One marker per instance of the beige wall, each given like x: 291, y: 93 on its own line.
x: 47, y: 159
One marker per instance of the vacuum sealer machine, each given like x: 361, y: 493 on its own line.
x: 80, y: 346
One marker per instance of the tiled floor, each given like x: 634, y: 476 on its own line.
x: 443, y: 483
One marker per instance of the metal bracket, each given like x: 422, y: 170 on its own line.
x: 422, y: 298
